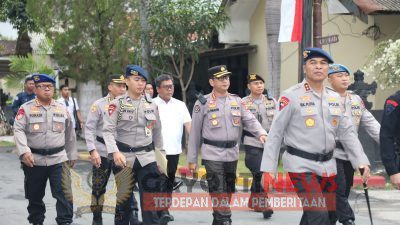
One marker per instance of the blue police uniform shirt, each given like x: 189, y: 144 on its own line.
x: 20, y: 99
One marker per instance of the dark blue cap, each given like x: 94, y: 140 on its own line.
x: 39, y: 78
x: 337, y: 68
x: 135, y: 70
x: 310, y: 53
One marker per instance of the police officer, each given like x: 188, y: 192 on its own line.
x: 263, y: 108
x: 25, y: 96
x: 45, y: 139
x: 131, y: 131
x: 308, y: 120
x: 217, y: 119
x: 102, y: 166
x: 353, y: 107
x: 390, y: 138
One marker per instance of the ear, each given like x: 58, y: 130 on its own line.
x: 158, y: 89
x: 211, y: 82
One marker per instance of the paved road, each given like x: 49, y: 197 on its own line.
x: 386, y: 204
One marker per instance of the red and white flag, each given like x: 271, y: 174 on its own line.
x: 291, y: 21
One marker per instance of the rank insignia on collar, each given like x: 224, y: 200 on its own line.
x: 307, y: 87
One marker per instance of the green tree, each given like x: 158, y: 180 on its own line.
x: 179, y: 31
x: 22, y: 66
x: 15, y: 12
x: 91, y: 39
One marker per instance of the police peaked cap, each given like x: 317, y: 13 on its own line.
x: 218, y: 71
x: 116, y: 78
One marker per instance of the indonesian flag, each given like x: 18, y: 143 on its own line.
x: 291, y: 21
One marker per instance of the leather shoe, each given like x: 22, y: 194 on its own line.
x: 166, y: 218
x: 267, y: 214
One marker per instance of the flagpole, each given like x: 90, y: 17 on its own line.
x: 306, y: 40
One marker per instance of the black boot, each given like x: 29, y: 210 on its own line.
x: 165, y: 218
x: 135, y: 218
x: 267, y: 214
x: 348, y: 222
x: 97, y: 218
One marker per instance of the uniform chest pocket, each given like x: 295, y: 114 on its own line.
x: 236, y: 118
x: 58, y: 124
x: 37, y: 125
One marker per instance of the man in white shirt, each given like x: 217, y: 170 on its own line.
x: 72, y: 105
x: 174, y: 116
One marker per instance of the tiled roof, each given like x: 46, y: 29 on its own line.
x: 7, y: 47
x: 379, y: 6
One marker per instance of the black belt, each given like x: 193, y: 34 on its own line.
x: 49, y: 151
x: 126, y: 148
x: 100, y: 139
x: 311, y: 156
x: 220, y: 144
x: 246, y: 133
x: 339, y: 145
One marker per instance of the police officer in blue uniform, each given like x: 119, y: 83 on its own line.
x: 25, y: 96
x: 390, y: 138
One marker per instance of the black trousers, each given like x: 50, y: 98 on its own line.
x: 100, y: 179
x: 315, y: 186
x: 35, y: 186
x: 172, y: 166
x: 344, y: 181
x: 149, y: 181
x: 221, y: 178
x: 252, y: 161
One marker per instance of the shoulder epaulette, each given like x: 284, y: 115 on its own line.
x: 201, y: 98
x: 266, y: 94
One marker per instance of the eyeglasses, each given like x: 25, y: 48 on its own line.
x: 45, y: 86
x: 222, y: 78
x: 170, y: 86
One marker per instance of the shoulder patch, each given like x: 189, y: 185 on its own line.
x: 196, y: 109
x: 111, y: 109
x: 20, y: 113
x: 283, y: 102
x: 390, y: 106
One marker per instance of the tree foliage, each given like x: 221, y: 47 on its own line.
x: 22, y: 66
x: 179, y: 31
x: 91, y: 39
x: 15, y: 12
x: 384, y: 64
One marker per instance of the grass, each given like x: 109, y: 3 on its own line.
x: 241, y: 168
x: 6, y: 144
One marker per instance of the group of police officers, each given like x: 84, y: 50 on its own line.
x: 318, y: 125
